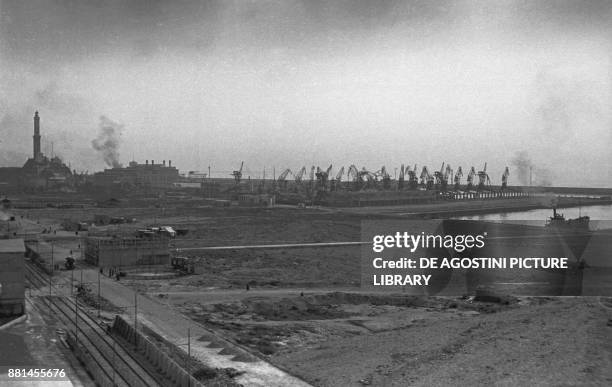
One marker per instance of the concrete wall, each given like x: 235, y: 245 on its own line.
x: 154, y: 354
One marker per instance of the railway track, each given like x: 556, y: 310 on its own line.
x: 115, y: 363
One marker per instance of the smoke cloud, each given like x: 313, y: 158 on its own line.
x: 528, y: 173
x: 107, y: 142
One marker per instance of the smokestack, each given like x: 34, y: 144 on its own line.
x: 169, y: 163
x: 146, y: 162
x: 36, y: 137
x: 164, y: 162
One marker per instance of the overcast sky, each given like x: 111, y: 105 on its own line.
x: 290, y: 83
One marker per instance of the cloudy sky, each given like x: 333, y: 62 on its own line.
x: 282, y: 84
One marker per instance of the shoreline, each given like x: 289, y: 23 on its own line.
x: 475, y: 207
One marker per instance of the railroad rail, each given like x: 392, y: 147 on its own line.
x: 115, y: 363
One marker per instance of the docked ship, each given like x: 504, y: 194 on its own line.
x: 559, y: 237
x: 559, y: 221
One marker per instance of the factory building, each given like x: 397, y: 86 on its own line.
x: 127, y: 251
x: 148, y: 175
x: 12, y: 277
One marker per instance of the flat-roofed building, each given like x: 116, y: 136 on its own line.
x: 12, y: 277
x: 124, y: 251
x: 148, y: 175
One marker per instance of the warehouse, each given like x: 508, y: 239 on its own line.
x: 12, y: 279
x: 126, y: 251
x: 148, y: 175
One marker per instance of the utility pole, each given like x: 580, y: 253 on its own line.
x: 76, y: 320
x: 113, y: 367
x: 209, y: 183
x: 136, y: 320
x: 51, y: 269
x: 99, y: 294
x: 188, y: 357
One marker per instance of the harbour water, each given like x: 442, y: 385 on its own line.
x: 601, y: 216
x: 594, y: 279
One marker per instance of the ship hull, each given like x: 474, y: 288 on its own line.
x: 506, y: 240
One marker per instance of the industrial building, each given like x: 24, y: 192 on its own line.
x: 127, y: 251
x: 12, y: 277
x: 135, y: 175
x: 42, y: 171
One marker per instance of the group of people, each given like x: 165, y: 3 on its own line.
x: 112, y: 272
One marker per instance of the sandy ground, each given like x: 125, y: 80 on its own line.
x: 343, y: 341
x: 562, y: 342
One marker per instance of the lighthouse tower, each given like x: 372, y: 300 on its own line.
x: 36, y: 137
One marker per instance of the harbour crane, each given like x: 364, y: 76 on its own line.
x: 413, y: 180
x: 360, y: 178
x: 300, y: 175
x: 353, y: 173
x: 427, y: 180
x: 384, y: 176
x: 322, y: 177
x: 284, y: 174
x: 366, y: 178
x: 339, y: 174
x: 448, y: 172
x: 505, y: 176
x: 282, y: 178
x: 457, y: 180
x: 337, y: 181
x: 238, y: 174
x: 400, y: 179
x: 470, y: 179
x: 441, y: 177
x: 483, y: 178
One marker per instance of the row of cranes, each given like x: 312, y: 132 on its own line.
x: 408, y: 178
x: 441, y: 179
